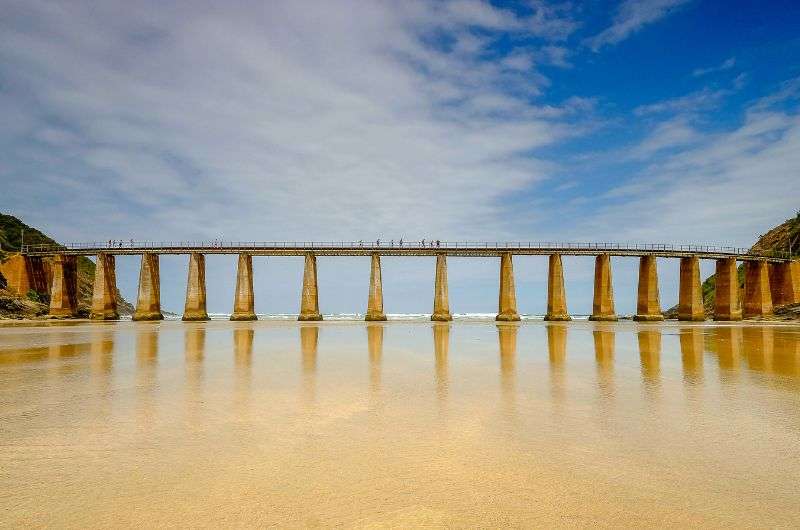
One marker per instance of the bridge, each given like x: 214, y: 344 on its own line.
x: 771, y: 278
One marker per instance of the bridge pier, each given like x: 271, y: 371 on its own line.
x: 507, y: 310
x: 309, y: 299
x: 784, y: 282
x: 64, y: 289
x: 441, y: 302
x: 244, y: 300
x: 690, y: 296
x: 757, y: 297
x: 648, y: 304
x: 726, y: 299
x: 556, y: 295
x: 195, y: 308
x: 603, y: 305
x: 375, y: 298
x: 25, y: 273
x: 148, y: 302
x: 104, y: 293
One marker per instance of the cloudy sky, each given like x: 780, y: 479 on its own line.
x: 639, y: 120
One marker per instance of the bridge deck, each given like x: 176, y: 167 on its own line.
x: 449, y: 248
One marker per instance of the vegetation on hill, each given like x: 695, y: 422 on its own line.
x: 12, y: 232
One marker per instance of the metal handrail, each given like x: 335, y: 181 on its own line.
x: 395, y: 244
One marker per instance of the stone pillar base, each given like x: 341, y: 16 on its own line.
x: 108, y: 314
x: 691, y: 317
x: 146, y: 316
x: 557, y: 318
x: 375, y: 317
x: 310, y: 317
x: 728, y: 317
x: 61, y: 313
x: 243, y: 317
x: 508, y: 317
x: 648, y: 318
x: 198, y: 316
x: 441, y: 317
x: 603, y: 318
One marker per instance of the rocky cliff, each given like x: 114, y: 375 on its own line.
x: 12, y: 232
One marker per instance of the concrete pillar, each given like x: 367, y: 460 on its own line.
x: 441, y: 303
x: 375, y: 299
x: 195, y: 307
x: 648, y: 305
x: 726, y: 297
x: 690, y: 296
x: 309, y: 300
x: 148, y: 303
x: 243, y: 300
x: 556, y: 295
x: 507, y: 304
x: 603, y: 306
x: 784, y: 282
x: 757, y: 297
x: 64, y: 291
x: 23, y: 274
x: 104, y: 293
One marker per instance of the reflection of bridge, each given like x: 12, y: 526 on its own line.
x: 770, y: 278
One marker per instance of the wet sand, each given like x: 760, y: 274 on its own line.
x: 399, y: 424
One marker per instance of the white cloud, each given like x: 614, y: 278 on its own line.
x: 727, y: 64
x: 266, y: 123
x: 632, y: 16
x: 695, y: 101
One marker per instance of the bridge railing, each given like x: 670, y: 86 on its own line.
x: 397, y: 244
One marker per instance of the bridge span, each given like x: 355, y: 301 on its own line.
x: 770, y: 278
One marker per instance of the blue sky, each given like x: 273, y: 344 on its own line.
x: 640, y: 120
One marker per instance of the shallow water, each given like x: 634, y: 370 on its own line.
x: 399, y: 424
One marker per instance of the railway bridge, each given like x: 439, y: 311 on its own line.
x: 770, y: 278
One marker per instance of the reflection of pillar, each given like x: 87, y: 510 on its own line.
x: 309, y: 337
x: 557, y: 344
x: 759, y: 345
x: 244, y: 300
x: 441, y: 302
x: 195, y: 343
x: 648, y: 305
x: 690, y: 297
x: 104, y: 293
x: 692, y: 351
x: 726, y: 291
x: 507, y: 310
x: 375, y: 348
x: 786, y: 361
x: 757, y: 297
x: 556, y: 295
x: 728, y: 343
x: 101, y: 347
x: 604, y: 355
x: 441, y: 347
x: 148, y: 303
x: 375, y: 299
x: 309, y: 300
x: 146, y: 360
x: 243, y: 346
x: 195, y: 308
x: 603, y: 305
x: 243, y: 358
x: 650, y: 354
x: 64, y: 290
x: 557, y: 350
x: 784, y: 282
x: 507, y: 336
